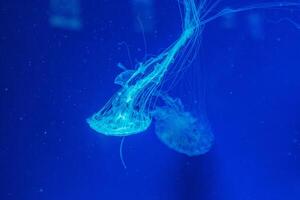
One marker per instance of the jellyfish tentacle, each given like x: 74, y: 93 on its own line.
x: 121, y: 152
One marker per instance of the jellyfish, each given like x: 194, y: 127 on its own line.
x: 129, y: 110
x: 180, y: 130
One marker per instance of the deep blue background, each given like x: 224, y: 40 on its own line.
x: 52, y: 79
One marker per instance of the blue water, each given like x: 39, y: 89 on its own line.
x: 55, y: 75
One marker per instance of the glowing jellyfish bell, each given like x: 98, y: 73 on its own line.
x: 123, y: 115
x: 181, y: 131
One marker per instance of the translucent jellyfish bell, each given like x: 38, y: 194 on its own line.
x: 180, y: 131
x: 120, y: 117
x: 119, y: 124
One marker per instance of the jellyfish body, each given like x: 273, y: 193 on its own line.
x: 181, y: 131
x: 128, y: 111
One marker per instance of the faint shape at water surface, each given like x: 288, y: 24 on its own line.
x: 65, y: 14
